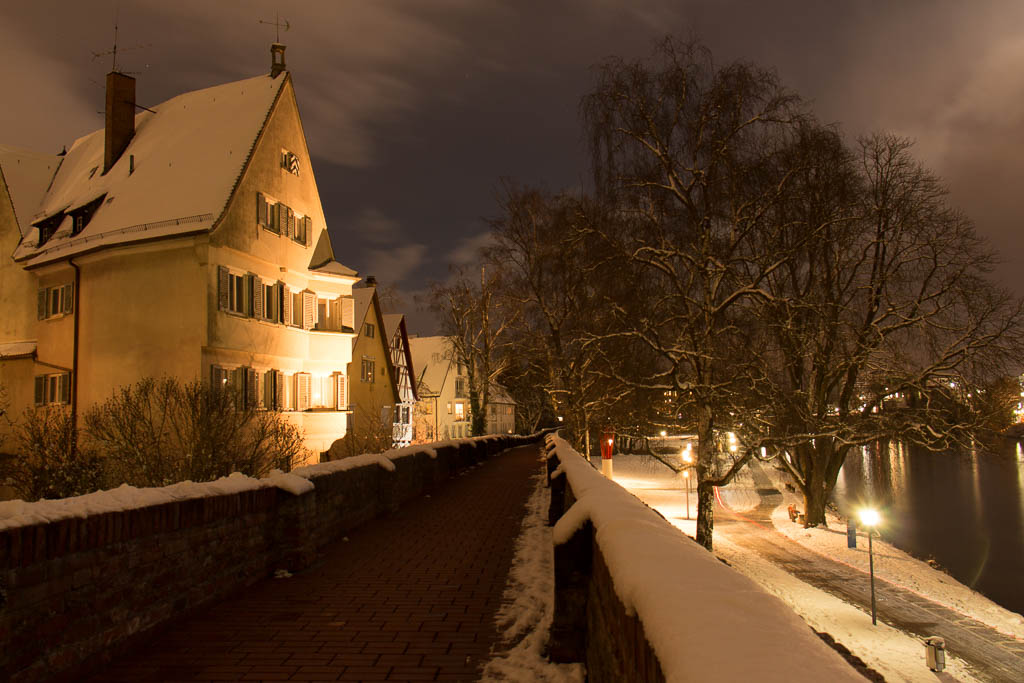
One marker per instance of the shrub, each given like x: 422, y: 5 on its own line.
x: 49, y: 462
x: 158, y: 432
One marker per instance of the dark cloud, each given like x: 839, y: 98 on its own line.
x: 415, y: 110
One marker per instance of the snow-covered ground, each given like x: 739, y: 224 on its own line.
x: 894, y: 654
x: 528, y: 604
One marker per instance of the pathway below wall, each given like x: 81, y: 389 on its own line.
x: 409, y: 597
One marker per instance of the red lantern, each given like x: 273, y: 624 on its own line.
x: 607, y: 442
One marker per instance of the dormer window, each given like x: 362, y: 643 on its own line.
x: 82, y: 215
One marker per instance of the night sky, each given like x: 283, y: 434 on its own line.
x: 414, y: 110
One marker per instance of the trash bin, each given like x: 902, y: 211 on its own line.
x: 935, y: 653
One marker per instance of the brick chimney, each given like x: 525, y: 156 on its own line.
x: 120, y: 117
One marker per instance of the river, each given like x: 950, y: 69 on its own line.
x: 964, y: 509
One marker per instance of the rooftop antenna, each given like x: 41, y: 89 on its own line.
x: 277, y: 25
x: 113, y: 51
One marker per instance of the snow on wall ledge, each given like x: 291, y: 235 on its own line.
x: 703, y: 620
x: 81, y: 578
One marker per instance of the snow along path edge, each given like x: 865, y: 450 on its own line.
x: 524, y: 619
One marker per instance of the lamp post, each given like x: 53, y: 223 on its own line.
x: 687, y: 458
x: 869, y: 517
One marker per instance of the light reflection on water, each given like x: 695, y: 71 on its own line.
x: 964, y: 509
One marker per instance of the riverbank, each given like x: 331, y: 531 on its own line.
x: 896, y: 655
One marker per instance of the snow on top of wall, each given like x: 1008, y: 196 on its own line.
x: 27, y: 175
x: 741, y: 632
x: 187, y: 157
x: 16, y: 513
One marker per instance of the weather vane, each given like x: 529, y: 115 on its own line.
x: 277, y: 25
x: 113, y: 51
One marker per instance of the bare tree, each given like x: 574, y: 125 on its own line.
x: 48, y: 463
x: 881, y: 326
x: 688, y: 153
x: 370, y: 431
x: 476, y: 320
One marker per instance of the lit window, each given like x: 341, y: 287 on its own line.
x: 460, y: 410
x: 367, y: 373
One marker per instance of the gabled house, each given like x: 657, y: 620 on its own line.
x: 185, y: 240
x: 501, y: 411
x: 405, y: 380
x: 442, y: 411
x: 373, y: 392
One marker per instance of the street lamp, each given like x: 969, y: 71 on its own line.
x: 686, y: 475
x: 870, y: 518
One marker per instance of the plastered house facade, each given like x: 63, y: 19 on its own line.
x: 187, y: 240
x: 373, y: 394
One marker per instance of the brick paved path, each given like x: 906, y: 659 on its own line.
x: 409, y: 597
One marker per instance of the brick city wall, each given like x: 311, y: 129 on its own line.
x: 590, y: 623
x: 75, y: 592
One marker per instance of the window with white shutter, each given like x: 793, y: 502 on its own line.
x: 340, y: 386
x: 348, y: 312
x: 303, y: 385
x: 308, y: 309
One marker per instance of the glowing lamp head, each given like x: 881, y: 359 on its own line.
x: 686, y: 474
x: 664, y: 433
x: 611, y: 441
x: 870, y: 517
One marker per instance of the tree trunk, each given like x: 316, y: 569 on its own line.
x: 705, y: 469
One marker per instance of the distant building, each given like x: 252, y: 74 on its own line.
x: 405, y: 379
x: 443, y: 408
x: 185, y: 240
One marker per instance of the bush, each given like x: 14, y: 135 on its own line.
x: 158, y: 432
x: 49, y: 463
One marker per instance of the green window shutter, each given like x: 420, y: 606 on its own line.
x: 250, y: 286
x: 308, y: 230
x: 278, y: 390
x: 41, y: 304
x: 287, y: 222
x: 258, y: 304
x: 250, y: 388
x: 223, y: 288
x: 262, y: 209
x: 40, y: 390
x: 65, y: 388
x: 69, y: 297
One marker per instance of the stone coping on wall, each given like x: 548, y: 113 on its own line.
x: 702, y: 619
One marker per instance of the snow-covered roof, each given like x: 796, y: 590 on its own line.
x: 362, y: 296
x: 323, y: 260
x: 27, y: 175
x: 391, y: 323
x: 188, y: 156
x: 431, y: 359
x: 498, y: 394
x: 19, y: 349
